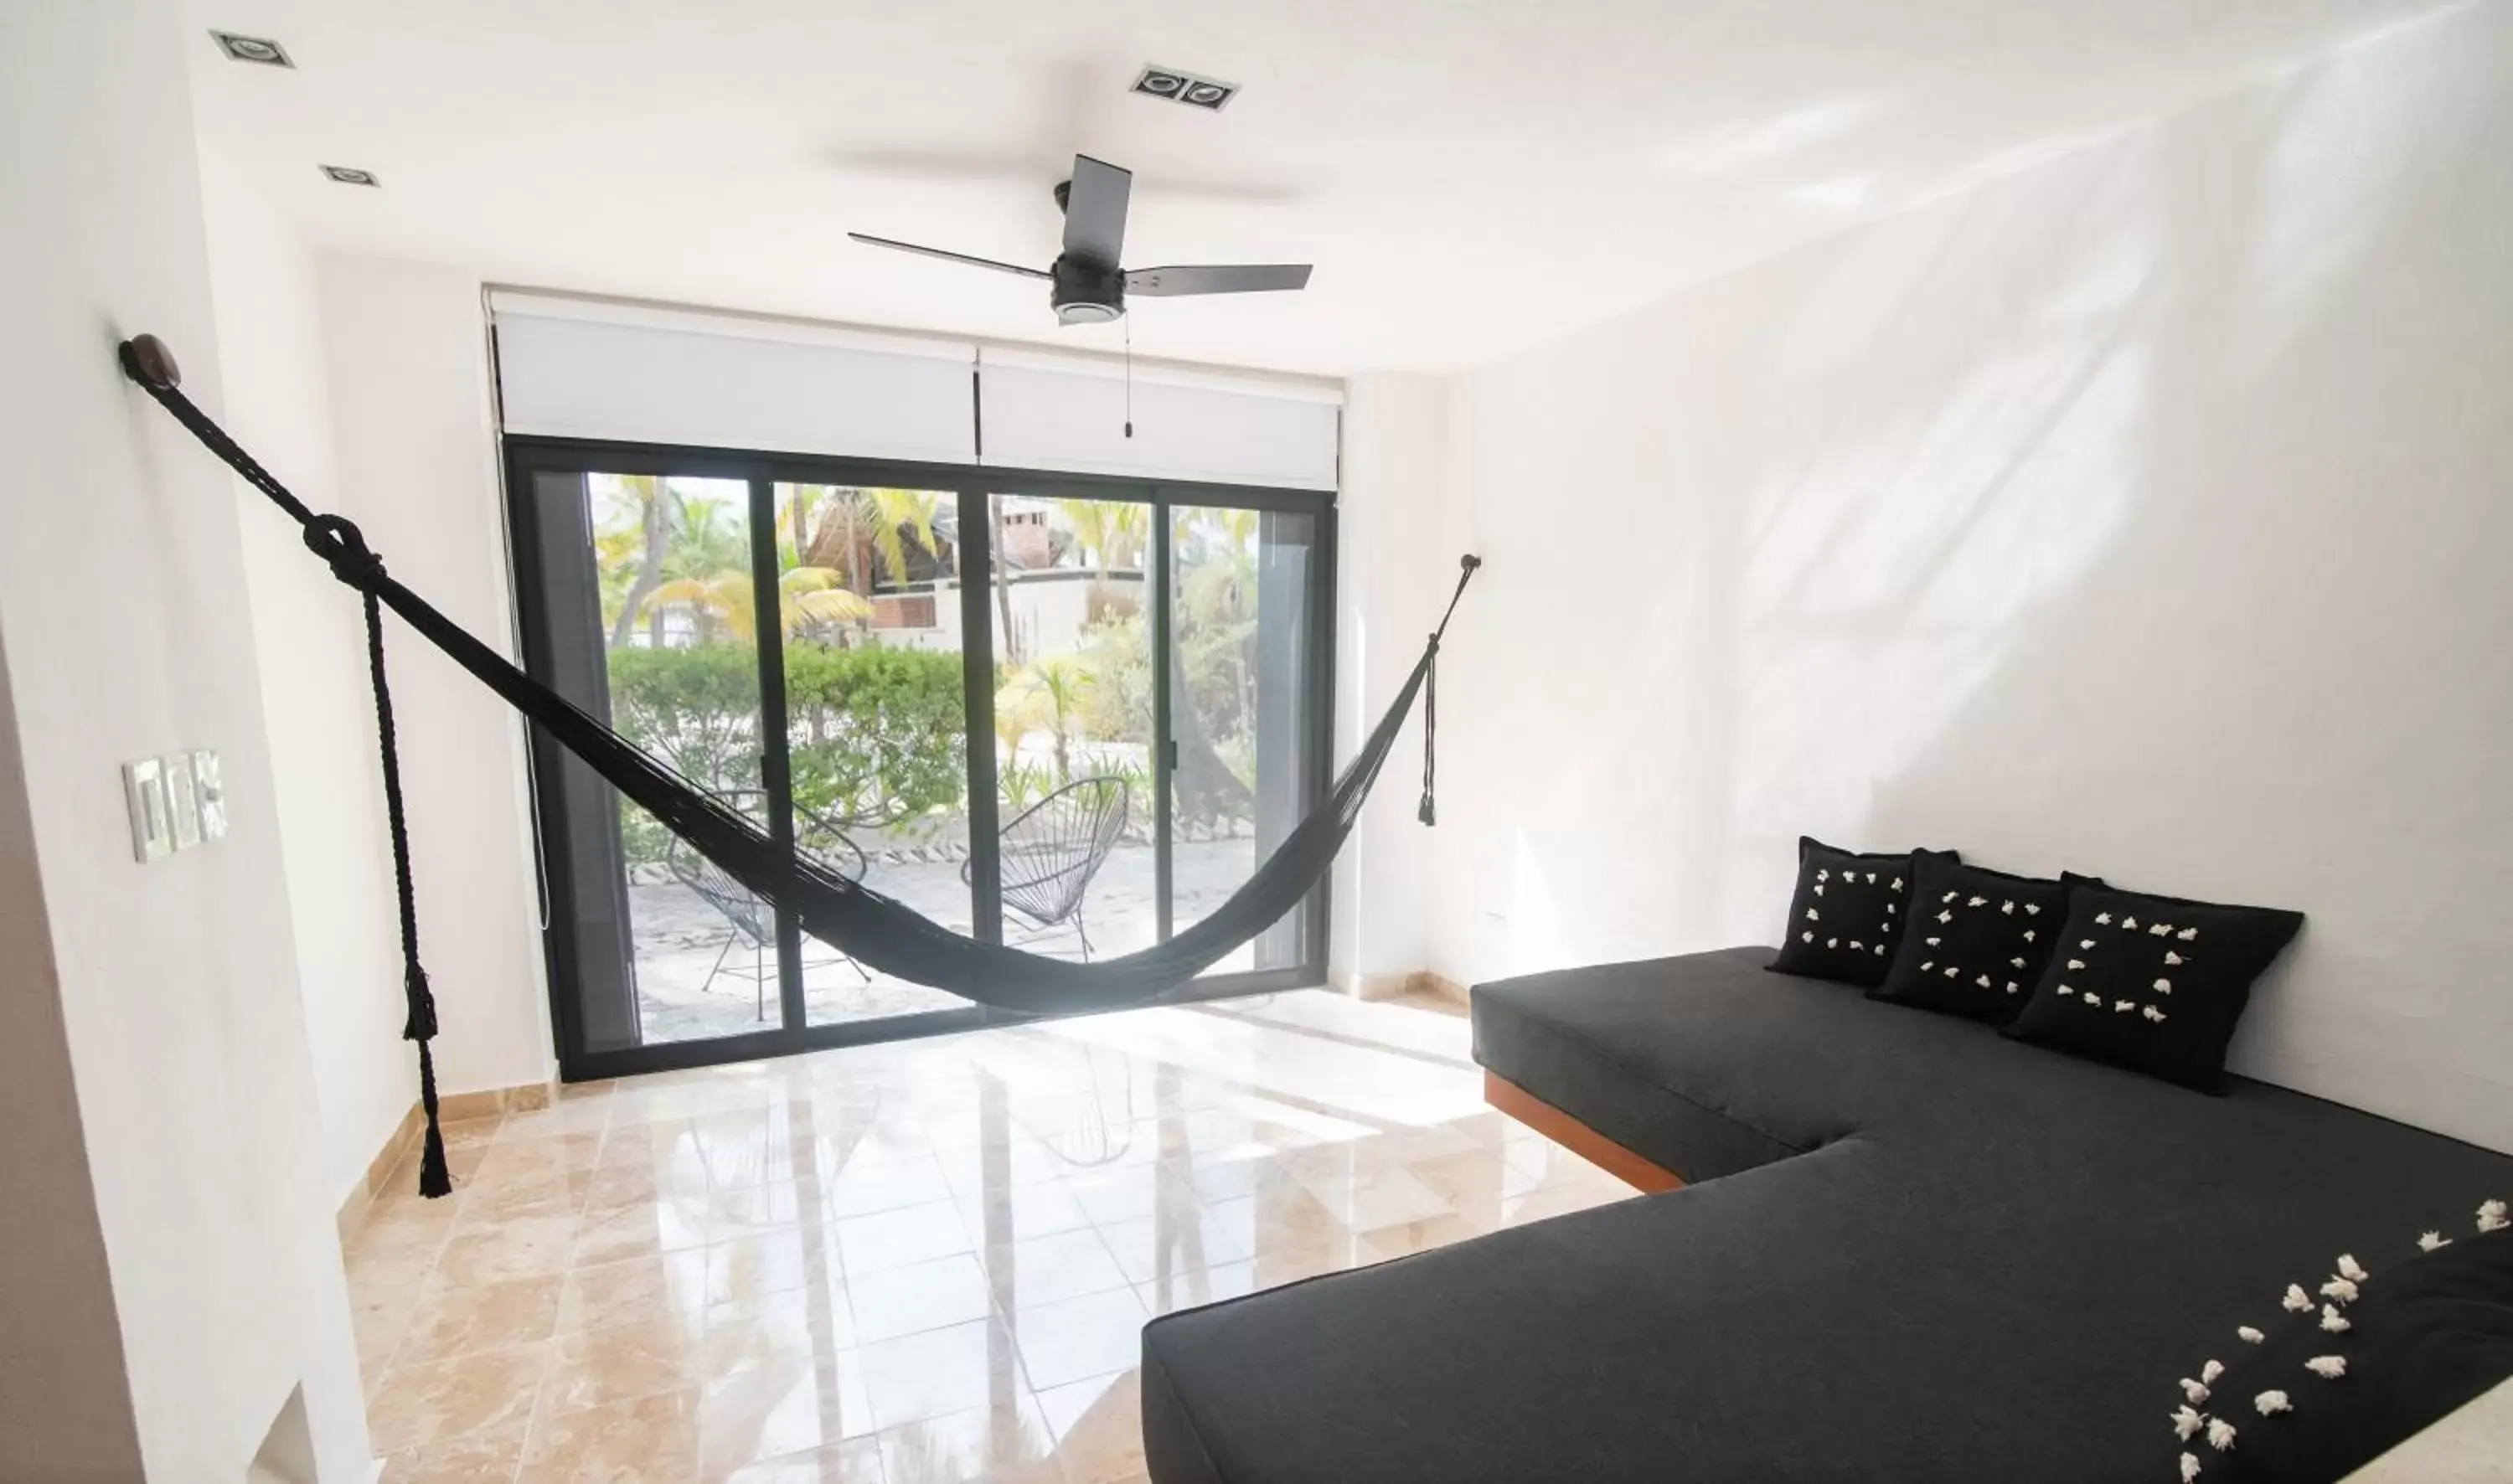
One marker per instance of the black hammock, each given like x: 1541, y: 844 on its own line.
x: 874, y: 929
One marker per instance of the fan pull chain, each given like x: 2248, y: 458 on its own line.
x: 1130, y: 376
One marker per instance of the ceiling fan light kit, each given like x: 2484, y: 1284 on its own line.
x: 1085, y: 286
x: 1209, y: 94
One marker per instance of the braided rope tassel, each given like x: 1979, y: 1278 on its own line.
x: 435, y: 1179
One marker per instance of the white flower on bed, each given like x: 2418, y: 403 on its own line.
x: 1818, y: 889
x: 1945, y: 917
x: 2187, y: 1424
x: 1824, y: 875
x: 2085, y: 942
x: 2028, y: 935
x: 2009, y: 907
x: 2124, y: 1006
x: 2196, y: 1394
x: 2066, y: 993
x: 2350, y: 1270
x: 2490, y: 1216
x: 2333, y: 1321
x: 1832, y: 942
x: 1898, y: 884
x: 1933, y: 942
x: 1857, y: 947
x: 2010, y: 986
x: 2189, y: 1469
x: 2341, y: 1289
x: 1984, y: 982
x: 2017, y: 960
x: 2296, y: 1300
x: 2103, y: 918
x: 2160, y: 929
x: 2032, y: 909
x: 2075, y: 964
x: 1871, y: 878
x: 2271, y: 1404
x: 2171, y: 959
x: 2164, y: 987
x: 1953, y: 971
x: 2187, y: 934
x: 1806, y: 937
x: 1976, y: 902
x: 2327, y: 1367
x: 2129, y: 924
x: 2220, y: 1433
x: 2248, y: 1335
x: 2154, y: 1014
x: 2210, y: 1371
x: 1814, y: 916
x: 2431, y: 1241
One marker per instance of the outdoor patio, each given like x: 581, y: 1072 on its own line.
x: 678, y: 937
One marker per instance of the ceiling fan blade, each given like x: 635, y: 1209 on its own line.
x: 1219, y: 277
x: 1095, y: 211
x: 948, y: 257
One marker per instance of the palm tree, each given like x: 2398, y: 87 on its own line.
x: 805, y: 595
x: 1060, y: 681
x: 1002, y: 579
x: 1113, y: 532
x: 649, y: 541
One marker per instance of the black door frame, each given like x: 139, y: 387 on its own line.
x: 526, y: 457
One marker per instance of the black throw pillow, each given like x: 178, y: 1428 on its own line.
x: 2155, y: 984
x: 1847, y: 913
x: 2355, y: 1365
x: 1981, y: 940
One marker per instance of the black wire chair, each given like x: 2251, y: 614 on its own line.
x: 752, y: 922
x: 1051, y: 849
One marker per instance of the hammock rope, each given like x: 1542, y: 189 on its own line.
x: 877, y: 930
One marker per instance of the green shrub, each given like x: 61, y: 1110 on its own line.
x: 877, y: 736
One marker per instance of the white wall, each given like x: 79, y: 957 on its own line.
x: 122, y: 602
x: 314, y: 689
x: 406, y: 354
x: 1392, y: 574
x: 2144, y: 514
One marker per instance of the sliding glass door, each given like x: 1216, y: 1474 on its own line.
x: 1066, y: 713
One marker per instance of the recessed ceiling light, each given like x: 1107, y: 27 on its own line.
x: 261, y: 50
x: 1157, y: 81
x: 350, y: 175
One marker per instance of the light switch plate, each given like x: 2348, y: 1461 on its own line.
x: 209, y: 793
x: 182, y: 799
x: 143, y: 789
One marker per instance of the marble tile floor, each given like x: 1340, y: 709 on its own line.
x: 920, y: 1262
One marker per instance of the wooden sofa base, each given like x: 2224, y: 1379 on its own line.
x: 1577, y: 1136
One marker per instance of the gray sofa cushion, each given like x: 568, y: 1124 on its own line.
x: 1928, y: 1253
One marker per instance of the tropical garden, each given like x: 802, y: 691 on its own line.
x: 866, y: 602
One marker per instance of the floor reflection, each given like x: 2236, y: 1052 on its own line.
x: 918, y: 1264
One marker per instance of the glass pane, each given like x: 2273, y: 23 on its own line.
x: 876, y: 713
x: 1073, y: 724
x: 1240, y: 710
x: 681, y: 666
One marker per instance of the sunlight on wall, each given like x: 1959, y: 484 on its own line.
x: 1849, y: 193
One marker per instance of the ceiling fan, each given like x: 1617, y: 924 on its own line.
x: 1085, y: 283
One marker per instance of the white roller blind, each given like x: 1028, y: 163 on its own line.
x: 1048, y: 413
x: 628, y: 373
x: 642, y: 376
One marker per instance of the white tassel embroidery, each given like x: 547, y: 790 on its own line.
x: 2220, y: 1433
x: 2066, y: 993
x: 2249, y: 1335
x: 2009, y: 907
x: 2076, y: 963
x: 2164, y: 987
x: 2124, y: 1006
x: 1813, y: 915
x: 1871, y: 878
x: 2431, y: 1241
x: 2129, y: 924
x: 2333, y: 1321
x: 1832, y: 942
x: 2490, y: 1216
x: 1880, y: 950
x: 2103, y: 918
x: 2349, y: 1270
x: 2171, y: 959
x: 2189, y: 1469
x: 1818, y: 889
x: 2340, y: 1289
x: 1898, y: 884
x: 1925, y: 968
x: 2194, y: 1390
x: 1823, y: 875
x: 1950, y: 896
x: 1976, y: 902
x: 2085, y: 942
x: 1985, y: 982
x: 2271, y: 1404
x: 2160, y: 929
x: 2187, y: 934
x: 2327, y: 1367
x: 2209, y: 1371
x: 2010, y: 986
x: 1889, y: 909
x: 2154, y: 1014
x: 2296, y: 1300
x: 1806, y: 937
x: 1857, y: 947
x: 2187, y: 1424
x: 2028, y: 935
x: 1945, y: 917
x: 2032, y: 909
x: 1953, y: 971
x: 2017, y: 960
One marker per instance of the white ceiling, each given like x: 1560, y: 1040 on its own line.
x: 1470, y: 176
